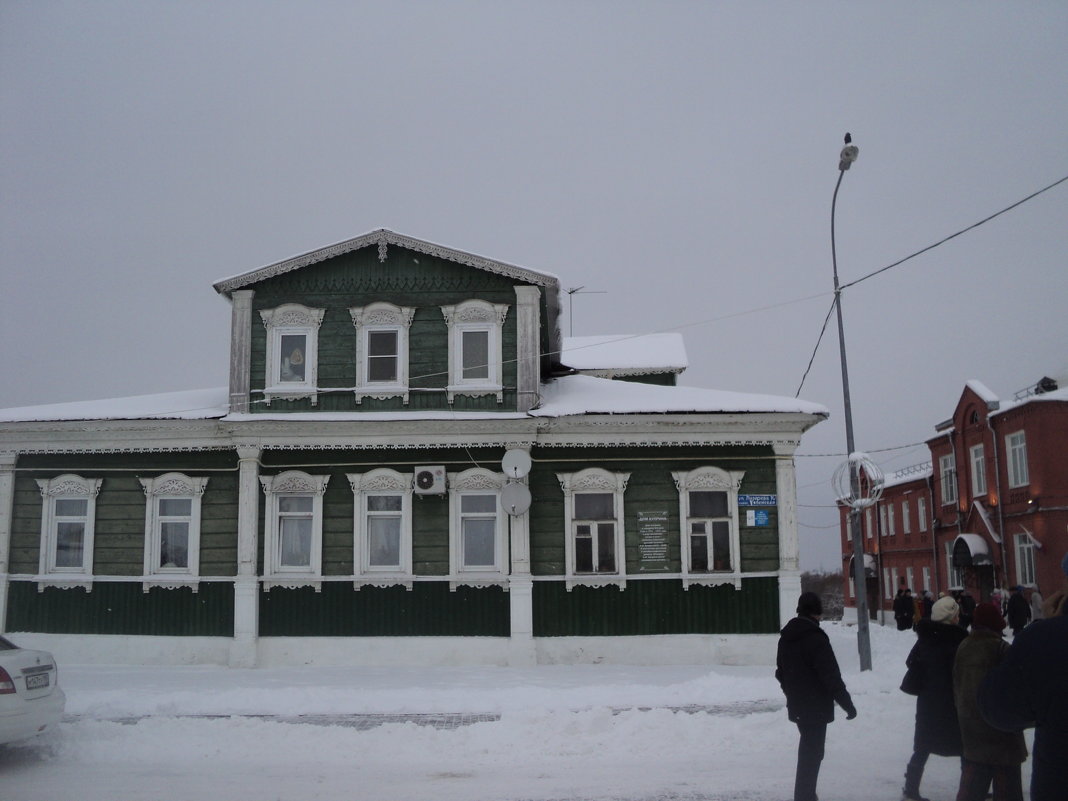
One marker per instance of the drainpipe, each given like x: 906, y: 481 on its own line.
x: 997, y: 488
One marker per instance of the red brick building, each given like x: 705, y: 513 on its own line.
x: 989, y: 511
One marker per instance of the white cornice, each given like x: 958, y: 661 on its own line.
x: 382, y: 238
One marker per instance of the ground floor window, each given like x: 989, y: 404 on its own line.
x: 293, y: 528
x: 593, y: 512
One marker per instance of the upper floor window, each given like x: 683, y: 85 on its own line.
x: 293, y: 529
x: 921, y: 512
x: 477, y: 525
x: 882, y: 521
x: 906, y: 521
x: 708, y: 509
x: 890, y: 530
x: 593, y: 522
x: 954, y: 574
x: 867, y: 522
x: 382, y: 350
x: 172, y: 525
x: 475, y: 348
x: 947, y: 469
x: 292, y: 351
x: 382, y: 526
x: 67, y: 525
x: 976, y: 455
x: 1016, y: 448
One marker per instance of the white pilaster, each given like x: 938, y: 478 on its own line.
x: 789, y: 544
x: 528, y: 346
x: 7, y: 496
x: 520, y: 594
x: 246, y: 583
x: 240, y: 349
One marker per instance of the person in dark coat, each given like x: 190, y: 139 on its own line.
x: 930, y: 678
x: 928, y: 603
x: 1030, y: 688
x: 1019, y: 611
x: 967, y: 609
x: 903, y: 610
x: 808, y: 672
x: 990, y: 755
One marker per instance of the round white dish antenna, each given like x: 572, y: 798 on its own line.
x: 515, y: 498
x: 516, y: 463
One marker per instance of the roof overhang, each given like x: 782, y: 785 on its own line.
x: 971, y: 550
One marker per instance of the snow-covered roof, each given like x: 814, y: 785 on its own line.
x: 382, y: 238
x: 624, y: 354
x: 567, y: 396
x: 197, y: 404
x: 583, y: 394
x: 984, y: 392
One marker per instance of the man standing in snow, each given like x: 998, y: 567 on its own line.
x: 808, y: 673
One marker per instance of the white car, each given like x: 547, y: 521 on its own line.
x: 31, y: 701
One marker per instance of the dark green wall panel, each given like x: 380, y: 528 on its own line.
x: 122, y: 608
x: 427, y: 609
x: 655, y: 607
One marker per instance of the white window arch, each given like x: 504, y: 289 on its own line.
x: 292, y: 369
x: 68, y: 524
x: 477, y: 526
x: 382, y: 350
x: 594, y: 528
x: 475, y: 348
x: 172, y: 529
x: 708, y: 517
x: 382, y: 527
x: 293, y: 529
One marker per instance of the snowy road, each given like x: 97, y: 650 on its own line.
x: 684, y: 733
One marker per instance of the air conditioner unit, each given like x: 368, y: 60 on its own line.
x: 430, y: 480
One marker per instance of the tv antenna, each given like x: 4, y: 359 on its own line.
x: 578, y: 290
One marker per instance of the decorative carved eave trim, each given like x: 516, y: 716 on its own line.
x: 382, y: 238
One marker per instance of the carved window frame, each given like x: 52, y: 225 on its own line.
x: 594, y: 480
x: 381, y: 481
x: 377, y: 317
x: 291, y: 319
x: 477, y: 481
x: 67, y: 487
x: 474, y: 316
x: 709, y: 478
x: 292, y: 484
x: 172, y: 486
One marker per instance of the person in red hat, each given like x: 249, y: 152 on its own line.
x: 990, y: 756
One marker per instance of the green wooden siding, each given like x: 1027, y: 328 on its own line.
x: 427, y: 609
x: 655, y: 607
x: 651, y: 488
x: 122, y: 608
x: 405, y: 279
x: 119, y: 537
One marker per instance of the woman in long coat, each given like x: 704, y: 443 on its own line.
x: 930, y: 679
x: 989, y: 755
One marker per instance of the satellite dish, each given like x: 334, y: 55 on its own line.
x: 515, y: 498
x: 516, y: 463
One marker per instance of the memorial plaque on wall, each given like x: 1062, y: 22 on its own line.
x: 653, y: 542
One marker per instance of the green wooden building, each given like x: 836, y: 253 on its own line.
x: 410, y: 464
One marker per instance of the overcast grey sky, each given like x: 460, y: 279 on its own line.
x: 679, y: 156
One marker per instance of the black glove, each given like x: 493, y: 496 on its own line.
x: 851, y: 712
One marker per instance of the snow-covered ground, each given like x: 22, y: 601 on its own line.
x: 563, y: 732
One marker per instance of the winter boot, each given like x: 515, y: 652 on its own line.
x: 913, y: 774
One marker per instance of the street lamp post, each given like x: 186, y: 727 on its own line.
x: 847, y: 157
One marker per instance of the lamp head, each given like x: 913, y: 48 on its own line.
x: 848, y: 156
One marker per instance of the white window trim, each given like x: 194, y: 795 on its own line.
x: 171, y: 486
x: 927, y: 578
x: 978, y: 459
x: 476, y: 315
x: 66, y: 487
x: 292, y: 482
x: 1017, y: 459
x: 381, y: 481
x: 295, y: 319
x: 713, y: 479
x: 374, y: 317
x: 593, y: 479
x: 954, y: 576
x: 947, y: 471
x: 1025, y: 545
x: 477, y: 481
